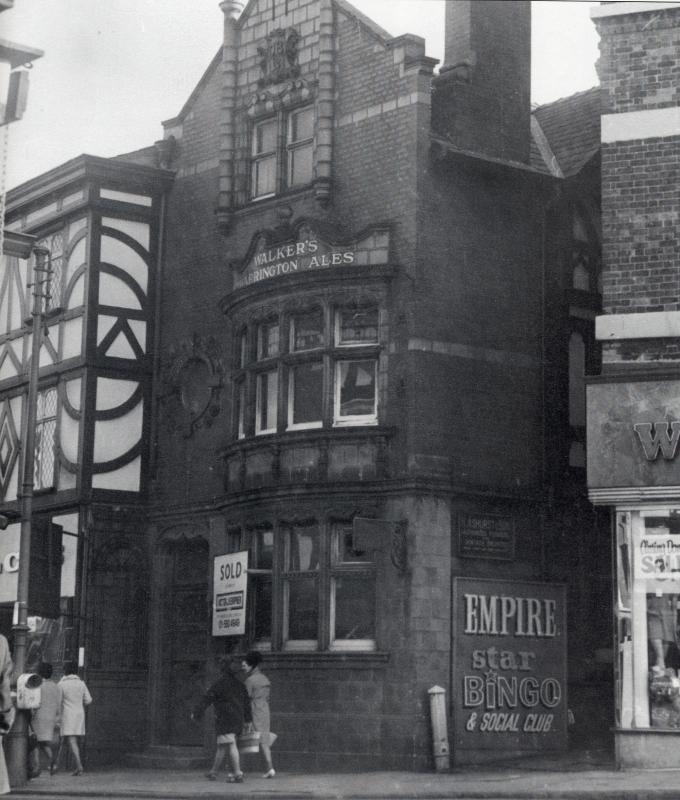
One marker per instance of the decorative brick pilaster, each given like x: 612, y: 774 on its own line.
x: 325, y: 104
x: 231, y: 10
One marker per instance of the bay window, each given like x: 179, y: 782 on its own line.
x: 309, y: 589
x: 323, y: 371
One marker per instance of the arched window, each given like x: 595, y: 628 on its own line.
x: 577, y: 370
x: 119, y: 609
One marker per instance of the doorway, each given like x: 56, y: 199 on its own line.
x: 185, y: 638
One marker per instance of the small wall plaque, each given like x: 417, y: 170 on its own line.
x: 486, y: 536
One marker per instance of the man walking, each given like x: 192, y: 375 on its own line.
x: 231, y: 705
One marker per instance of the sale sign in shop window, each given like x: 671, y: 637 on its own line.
x: 509, y: 666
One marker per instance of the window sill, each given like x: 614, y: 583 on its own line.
x: 325, y: 660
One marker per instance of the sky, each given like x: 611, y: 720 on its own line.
x: 114, y: 69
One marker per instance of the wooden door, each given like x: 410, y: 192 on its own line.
x: 187, y: 631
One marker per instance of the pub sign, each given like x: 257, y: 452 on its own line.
x: 509, y: 667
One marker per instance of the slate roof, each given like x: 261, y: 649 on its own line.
x: 572, y: 127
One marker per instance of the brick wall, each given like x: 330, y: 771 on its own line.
x: 638, y: 68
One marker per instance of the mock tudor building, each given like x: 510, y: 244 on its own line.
x: 331, y: 331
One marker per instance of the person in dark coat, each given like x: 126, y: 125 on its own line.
x: 231, y: 705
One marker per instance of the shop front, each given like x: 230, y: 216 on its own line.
x: 633, y: 434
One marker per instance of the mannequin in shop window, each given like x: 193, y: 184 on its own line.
x: 661, y: 623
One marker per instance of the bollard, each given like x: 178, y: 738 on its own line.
x: 440, y: 737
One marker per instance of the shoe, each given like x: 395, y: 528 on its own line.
x: 211, y: 776
x: 77, y: 771
x: 270, y: 773
x: 53, y: 769
x: 235, y: 778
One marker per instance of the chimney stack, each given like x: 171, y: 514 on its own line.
x: 482, y: 97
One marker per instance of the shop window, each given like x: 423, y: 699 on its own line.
x: 45, y: 440
x: 356, y: 392
x: 325, y: 589
x: 305, y: 395
x: 266, y: 402
x: 648, y: 593
x: 282, y: 153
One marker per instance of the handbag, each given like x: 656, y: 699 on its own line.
x: 248, y: 741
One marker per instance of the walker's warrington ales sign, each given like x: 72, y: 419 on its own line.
x: 309, y: 252
x: 509, y: 670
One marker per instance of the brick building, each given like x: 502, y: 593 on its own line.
x: 338, y: 318
x: 632, y: 406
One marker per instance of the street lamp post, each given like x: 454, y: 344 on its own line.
x: 17, y: 744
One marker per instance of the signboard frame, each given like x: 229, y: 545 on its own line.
x: 485, y: 549
x: 507, y: 672
x: 230, y: 594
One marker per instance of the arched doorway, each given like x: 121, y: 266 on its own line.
x: 184, y: 638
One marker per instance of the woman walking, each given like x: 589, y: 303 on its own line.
x: 75, y: 696
x: 258, y: 688
x: 46, y: 717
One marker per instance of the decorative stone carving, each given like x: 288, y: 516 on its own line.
x: 279, y: 56
x: 283, y: 95
x: 195, y: 374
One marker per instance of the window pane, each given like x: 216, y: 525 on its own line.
x: 303, y: 549
x: 306, y: 394
x: 358, y: 326
x: 45, y: 438
x: 302, y: 608
x: 357, y: 388
x: 264, y: 176
x: 344, y: 547
x: 267, y: 398
x: 268, y: 340
x: 264, y: 138
x: 302, y: 125
x: 264, y: 550
x: 355, y: 606
x: 300, y: 165
x: 243, y: 349
x: 241, y: 411
x: 307, y: 331
x: 262, y: 617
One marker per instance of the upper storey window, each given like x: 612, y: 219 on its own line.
x: 282, y: 152
x: 300, y: 146
x: 264, y: 158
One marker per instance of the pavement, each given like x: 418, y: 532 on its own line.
x: 584, y: 775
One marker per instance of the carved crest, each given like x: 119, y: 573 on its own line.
x: 279, y: 56
x: 194, y: 372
